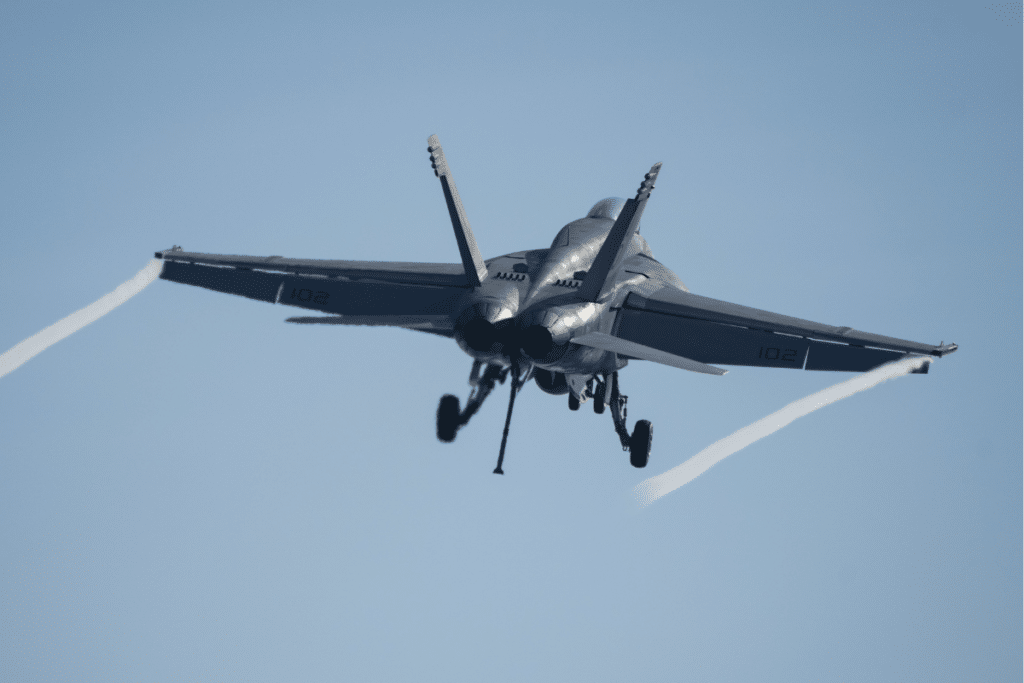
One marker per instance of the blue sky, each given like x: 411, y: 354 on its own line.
x: 193, y: 490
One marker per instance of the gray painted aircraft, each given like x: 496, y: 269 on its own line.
x: 569, y: 316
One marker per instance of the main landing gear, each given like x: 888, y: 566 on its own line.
x: 605, y: 391
x: 450, y: 418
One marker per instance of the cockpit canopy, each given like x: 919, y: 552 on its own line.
x: 596, y: 224
x: 607, y: 208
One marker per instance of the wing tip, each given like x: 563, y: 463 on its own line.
x: 162, y: 254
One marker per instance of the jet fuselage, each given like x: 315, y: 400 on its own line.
x: 529, y: 307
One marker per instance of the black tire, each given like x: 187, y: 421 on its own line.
x: 598, y: 404
x: 640, y: 444
x: 447, y: 418
x: 574, y: 403
x: 550, y: 382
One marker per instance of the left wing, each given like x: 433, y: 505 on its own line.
x: 420, y: 296
x: 446, y: 274
x: 713, y: 331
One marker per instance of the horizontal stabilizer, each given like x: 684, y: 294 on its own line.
x: 440, y: 325
x: 317, y: 320
x: 607, y: 342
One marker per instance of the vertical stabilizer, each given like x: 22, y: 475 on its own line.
x: 602, y: 273
x: 472, y: 261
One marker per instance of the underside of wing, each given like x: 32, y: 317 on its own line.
x: 420, y: 296
x: 712, y: 331
x: 441, y: 274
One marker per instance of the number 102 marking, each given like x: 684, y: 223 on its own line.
x: 768, y: 353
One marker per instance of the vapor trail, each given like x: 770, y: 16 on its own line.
x: 20, y: 354
x: 650, y: 490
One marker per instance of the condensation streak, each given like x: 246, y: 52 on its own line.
x: 22, y: 352
x: 655, y: 487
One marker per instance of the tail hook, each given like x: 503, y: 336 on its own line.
x: 517, y: 383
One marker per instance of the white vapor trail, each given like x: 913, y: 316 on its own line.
x: 650, y: 490
x: 20, y: 354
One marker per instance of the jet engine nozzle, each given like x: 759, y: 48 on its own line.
x: 538, y: 343
x: 484, y: 328
x: 481, y: 335
x: 543, y: 336
x: 545, y: 333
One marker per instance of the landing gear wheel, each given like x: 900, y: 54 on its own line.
x: 601, y: 394
x: 447, y: 418
x: 640, y: 443
x: 574, y: 403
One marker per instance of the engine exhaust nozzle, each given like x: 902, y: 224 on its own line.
x: 484, y: 329
x: 538, y: 343
x: 481, y: 335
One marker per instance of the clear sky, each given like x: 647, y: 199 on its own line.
x: 191, y: 489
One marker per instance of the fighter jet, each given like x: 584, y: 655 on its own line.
x: 569, y: 317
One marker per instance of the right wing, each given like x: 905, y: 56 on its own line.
x: 711, y: 331
x: 412, y: 295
